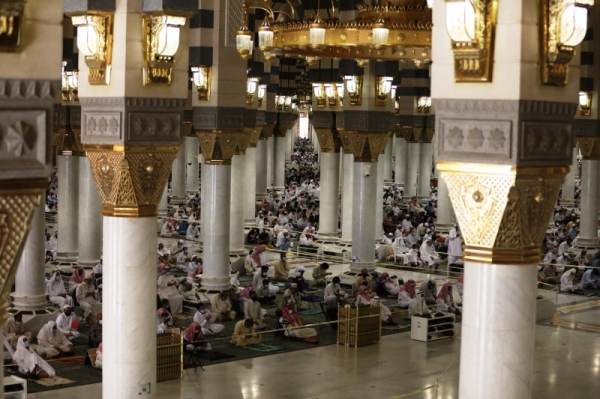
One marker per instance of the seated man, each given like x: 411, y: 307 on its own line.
x: 248, y: 264
x: 364, y: 276
x: 96, y: 332
x: 167, y: 230
x: 176, y: 249
x: 320, y: 274
x: 56, y: 291
x: 221, y: 306
x: 245, y: 334
x: 86, y: 296
x: 264, y: 294
x: 294, y: 327
x: 283, y: 243
x: 417, y: 306
x: 282, y: 269
x: 183, y: 259
x: 193, y: 231
x: 194, y: 338
x: 13, y: 329
x: 52, y: 342
x: 589, y: 279
x: 260, y: 275
x: 164, y: 319
x: 429, y: 255
x: 253, y: 311
x: 65, y: 322
x: 206, y: 320
x: 167, y: 289
x: 391, y: 287
x: 429, y: 292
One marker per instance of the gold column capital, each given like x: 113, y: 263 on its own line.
x: 426, y: 135
x: 68, y: 140
x: 244, y: 141
x: 267, y: 130
x: 329, y: 139
x: 254, y: 133
x: 589, y: 146
x: 18, y: 201
x: 366, y: 146
x: 130, y: 179
x: 218, y: 146
x: 502, y: 210
x: 411, y: 134
x: 187, y: 129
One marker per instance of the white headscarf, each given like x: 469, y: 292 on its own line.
x: 27, y: 359
x: 47, y: 333
x: 55, y: 285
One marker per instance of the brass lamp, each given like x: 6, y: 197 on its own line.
x: 161, y: 42
x: 317, y: 33
x: 73, y: 83
x: 262, y: 90
x: 383, y: 88
x: 279, y: 101
x: 243, y: 42
x: 202, y: 81
x: 563, y: 26
x: 11, y: 20
x: 287, y: 105
x: 251, y: 86
x: 265, y: 36
x: 380, y: 34
x: 320, y: 95
x: 471, y: 25
x: 339, y: 87
x: 330, y: 93
x: 423, y: 105
x: 585, y: 103
x: 95, y: 41
x: 354, y: 88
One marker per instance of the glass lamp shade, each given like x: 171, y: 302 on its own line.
x: 340, y: 90
x: 318, y: 90
x: 350, y: 84
x: 262, y: 89
x: 200, y: 77
x: 288, y: 101
x: 251, y: 86
x: 168, y: 41
x: 317, y: 33
x: 385, y: 85
x: 583, y: 98
x: 380, y: 33
x: 393, y: 91
x: 281, y: 100
x: 243, y: 40
x: 269, y: 56
x: 329, y: 90
x: 87, y: 40
x: 460, y: 20
x: 73, y: 79
x: 573, y: 25
x: 265, y: 36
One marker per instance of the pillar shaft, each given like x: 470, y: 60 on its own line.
x: 130, y: 255
x: 30, y: 289
x: 163, y: 205
x: 400, y: 163
x: 347, y: 198
x: 424, y: 190
x: 178, y: 174
x: 568, y: 189
x: 68, y: 206
x: 90, y: 217
x: 363, y: 228
x: 237, y: 202
x: 270, y: 161
x: 261, y: 169
x: 251, y: 177
x: 192, y: 166
x: 289, y: 145
x: 412, y: 171
x: 279, y: 166
x: 379, y: 196
x: 328, y: 201
x: 588, y: 234
x: 445, y: 213
x: 216, y: 188
x: 387, y: 160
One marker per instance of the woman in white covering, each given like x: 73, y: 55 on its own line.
x: 566, y: 281
x: 56, y: 291
x: 30, y: 363
x: 167, y: 289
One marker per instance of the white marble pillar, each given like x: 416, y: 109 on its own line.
x: 363, y: 229
x: 237, y: 200
x: 379, y: 198
x: 250, y: 196
x: 347, y: 197
x: 386, y: 160
x: 68, y: 208
x: 178, y: 175
x: 412, y: 170
x: 328, y: 201
x: 192, y: 166
x: 498, y: 335
x: 400, y: 163
x: 588, y: 231
x: 424, y: 190
x: 163, y: 205
x: 203, y: 195
x: 261, y: 169
x: 289, y: 143
x: 129, y: 356
x: 270, y: 161
x: 90, y: 217
x: 568, y: 188
x: 279, y: 166
x: 30, y: 287
x: 215, y: 216
x: 445, y: 213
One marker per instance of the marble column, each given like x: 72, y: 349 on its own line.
x: 30, y: 286
x: 129, y: 255
x: 251, y: 176
x: 588, y: 230
x: 568, y: 189
x: 68, y: 208
x: 279, y: 165
x: 424, y: 190
x: 261, y: 169
x: 445, y: 213
x: 289, y: 144
x: 90, y: 217
x: 347, y: 197
x: 163, y: 205
x: 328, y: 201
x: 400, y: 164
x: 490, y: 343
x: 237, y: 201
x: 270, y: 161
x: 216, y: 215
x: 363, y: 229
x: 379, y: 197
x: 412, y: 171
x: 386, y: 160
x: 178, y: 175
x: 192, y: 166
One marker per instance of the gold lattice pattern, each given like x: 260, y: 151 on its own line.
x: 365, y: 146
x: 329, y: 139
x: 218, y: 147
x: 590, y: 146
x: 16, y: 211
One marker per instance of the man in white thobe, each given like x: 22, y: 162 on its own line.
x: 429, y: 255
x: 64, y: 322
x: 454, y: 246
x: 86, y: 296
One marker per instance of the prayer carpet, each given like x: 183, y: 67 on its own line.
x: 263, y: 348
x: 214, y: 355
x: 52, y: 381
x: 309, y: 312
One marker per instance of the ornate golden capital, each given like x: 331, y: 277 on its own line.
x: 68, y: 140
x: 502, y: 210
x: 218, y: 146
x: 411, y: 134
x: 365, y: 146
x: 426, y: 135
x: 589, y: 146
x: 254, y: 135
x: 130, y: 179
x: 267, y: 131
x: 329, y: 139
x: 243, y: 141
x: 186, y: 129
x: 18, y: 201
x: 283, y: 128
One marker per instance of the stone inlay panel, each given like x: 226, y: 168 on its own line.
x: 492, y: 138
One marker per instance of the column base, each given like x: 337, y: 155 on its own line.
x: 28, y: 302
x: 443, y: 228
x: 67, y: 257
x: 329, y: 236
x: 249, y: 222
x: 277, y: 188
x: 192, y: 192
x: 356, y: 267
x: 34, y: 320
x: 215, y: 284
x: 162, y: 213
x: 238, y: 252
x: 588, y: 243
x: 567, y: 203
x: 88, y: 264
x: 423, y: 199
x: 178, y: 200
x: 261, y: 196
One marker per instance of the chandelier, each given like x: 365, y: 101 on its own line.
x: 392, y: 30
